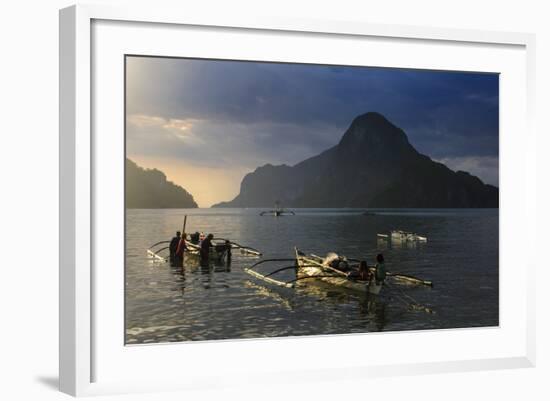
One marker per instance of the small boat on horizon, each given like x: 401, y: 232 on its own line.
x: 277, y: 211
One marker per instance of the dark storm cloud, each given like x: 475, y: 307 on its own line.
x: 268, y: 112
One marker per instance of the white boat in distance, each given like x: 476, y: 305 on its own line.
x: 403, y: 236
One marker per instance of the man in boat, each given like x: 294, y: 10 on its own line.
x: 179, y: 251
x: 364, y: 271
x: 173, y: 247
x: 205, y: 249
x: 361, y: 273
x: 380, y: 269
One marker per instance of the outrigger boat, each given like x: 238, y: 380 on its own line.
x: 277, y: 212
x: 155, y: 252
x: 218, y: 252
x: 315, y: 267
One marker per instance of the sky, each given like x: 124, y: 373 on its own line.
x: 207, y: 123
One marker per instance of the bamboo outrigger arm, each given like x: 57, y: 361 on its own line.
x: 158, y: 243
x: 246, y: 249
x: 269, y: 279
x: 287, y: 284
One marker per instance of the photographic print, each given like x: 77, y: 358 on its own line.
x: 268, y: 199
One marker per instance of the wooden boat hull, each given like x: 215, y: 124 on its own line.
x: 313, y: 266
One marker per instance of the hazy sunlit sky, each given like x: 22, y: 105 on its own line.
x: 207, y: 123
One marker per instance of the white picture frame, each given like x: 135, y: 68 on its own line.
x: 80, y: 373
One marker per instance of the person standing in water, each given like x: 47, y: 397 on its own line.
x: 205, y: 249
x: 228, y: 251
x: 181, y: 248
x: 173, y: 247
x: 380, y: 269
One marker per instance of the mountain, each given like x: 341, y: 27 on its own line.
x: 149, y: 189
x: 373, y: 165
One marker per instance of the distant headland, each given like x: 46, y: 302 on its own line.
x: 149, y: 189
x: 373, y: 165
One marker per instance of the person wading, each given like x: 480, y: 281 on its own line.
x: 380, y: 269
x: 228, y: 251
x: 173, y: 247
x: 179, y: 251
x: 205, y: 249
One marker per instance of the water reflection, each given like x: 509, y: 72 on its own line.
x: 389, y: 243
x: 221, y: 301
x: 272, y: 293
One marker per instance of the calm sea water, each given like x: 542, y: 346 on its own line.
x: 165, y: 304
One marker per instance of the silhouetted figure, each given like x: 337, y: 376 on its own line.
x: 179, y: 251
x: 380, y: 272
x: 195, y: 237
x: 206, y: 244
x: 173, y: 247
x: 228, y: 251
x: 363, y: 271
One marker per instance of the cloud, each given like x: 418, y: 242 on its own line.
x: 232, y: 113
x: 218, y: 144
x: 253, y: 92
x: 484, y: 167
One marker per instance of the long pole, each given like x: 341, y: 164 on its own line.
x: 184, y: 224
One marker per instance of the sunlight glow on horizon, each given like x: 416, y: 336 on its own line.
x: 207, y: 185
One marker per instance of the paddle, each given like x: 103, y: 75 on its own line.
x: 184, y: 224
